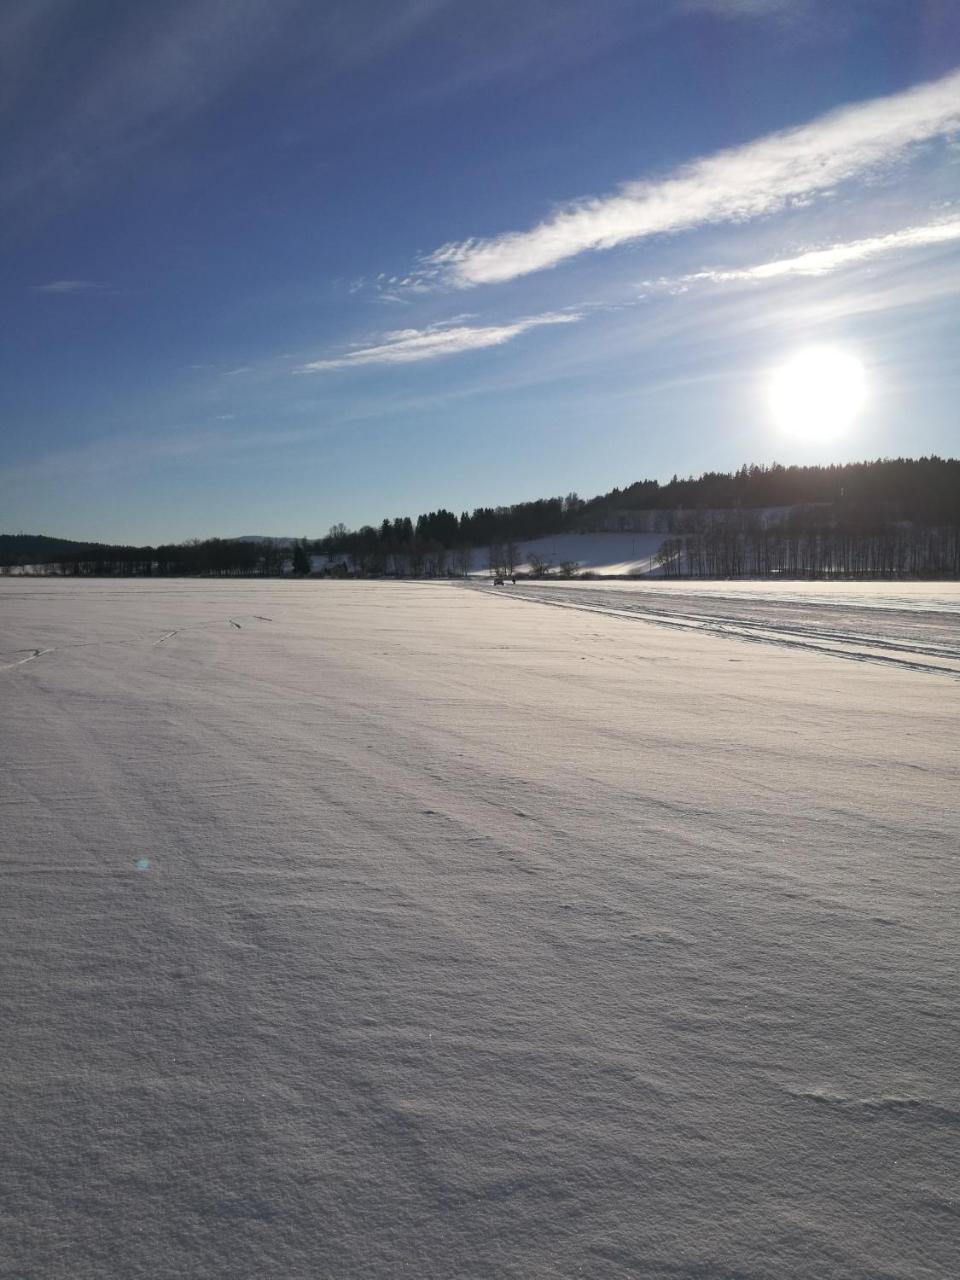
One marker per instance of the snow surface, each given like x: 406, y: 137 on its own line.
x: 907, y: 624
x: 356, y: 929
x: 904, y: 594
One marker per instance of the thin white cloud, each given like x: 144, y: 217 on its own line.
x: 408, y: 346
x: 745, y: 8
x: 73, y: 286
x: 821, y: 262
x: 744, y: 182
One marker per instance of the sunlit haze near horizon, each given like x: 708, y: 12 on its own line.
x: 272, y: 266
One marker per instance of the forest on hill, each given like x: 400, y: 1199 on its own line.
x: 866, y: 496
x: 888, y: 516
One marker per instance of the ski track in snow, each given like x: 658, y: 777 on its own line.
x: 393, y: 929
x: 18, y: 662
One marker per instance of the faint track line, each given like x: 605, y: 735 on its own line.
x: 31, y: 656
x: 851, y: 646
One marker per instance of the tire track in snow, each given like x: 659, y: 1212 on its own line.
x: 832, y: 643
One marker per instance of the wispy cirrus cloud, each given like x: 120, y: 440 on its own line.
x: 745, y: 8
x: 73, y: 286
x: 760, y: 177
x: 821, y: 262
x: 409, y: 346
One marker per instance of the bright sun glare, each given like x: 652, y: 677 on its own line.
x: 818, y: 393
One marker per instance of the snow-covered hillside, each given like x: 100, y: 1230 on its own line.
x: 605, y: 553
x: 382, y: 929
x: 616, y: 554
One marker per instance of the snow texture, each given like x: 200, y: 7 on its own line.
x: 357, y: 929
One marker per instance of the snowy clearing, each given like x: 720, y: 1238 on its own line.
x: 356, y: 929
x: 617, y: 554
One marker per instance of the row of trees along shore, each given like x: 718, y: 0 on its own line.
x: 884, y: 518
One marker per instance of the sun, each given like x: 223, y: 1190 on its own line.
x: 818, y: 392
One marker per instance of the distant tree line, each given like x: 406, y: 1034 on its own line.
x: 810, y: 541
x: 439, y: 543
x: 890, y: 516
x: 214, y: 557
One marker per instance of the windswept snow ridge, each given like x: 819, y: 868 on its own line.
x: 407, y: 931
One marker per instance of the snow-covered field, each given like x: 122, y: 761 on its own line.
x: 905, y: 624
x: 403, y: 929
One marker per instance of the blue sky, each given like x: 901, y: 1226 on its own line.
x: 271, y: 264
